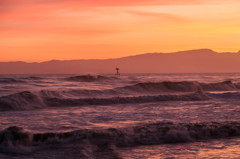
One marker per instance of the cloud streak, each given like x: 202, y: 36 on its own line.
x: 129, y: 26
x: 104, y: 2
x: 6, y: 5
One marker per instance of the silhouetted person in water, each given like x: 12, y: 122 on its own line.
x: 117, y: 69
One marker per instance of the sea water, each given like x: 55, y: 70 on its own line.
x: 126, y: 116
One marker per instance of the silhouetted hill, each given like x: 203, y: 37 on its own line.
x: 192, y: 61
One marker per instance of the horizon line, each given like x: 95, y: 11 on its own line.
x: 50, y: 60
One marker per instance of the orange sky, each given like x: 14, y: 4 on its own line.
x: 40, y: 30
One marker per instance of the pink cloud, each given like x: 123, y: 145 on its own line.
x: 12, y: 4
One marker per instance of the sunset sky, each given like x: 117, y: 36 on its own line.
x: 40, y: 30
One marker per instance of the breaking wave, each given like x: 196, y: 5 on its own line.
x: 15, y: 139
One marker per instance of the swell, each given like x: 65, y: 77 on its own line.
x: 145, y: 88
x: 28, y: 100
x: 19, y: 80
x: 183, y: 86
x: 21, y: 101
x: 33, y: 78
x: 125, y: 100
x: 10, y: 81
x: 15, y: 138
x: 138, y: 93
x: 89, y: 78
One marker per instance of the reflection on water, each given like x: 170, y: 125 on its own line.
x: 221, y: 149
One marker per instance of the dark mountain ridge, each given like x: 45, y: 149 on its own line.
x: 191, y: 61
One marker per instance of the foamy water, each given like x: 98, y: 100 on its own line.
x: 127, y: 116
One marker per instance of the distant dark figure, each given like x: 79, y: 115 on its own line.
x: 117, y: 69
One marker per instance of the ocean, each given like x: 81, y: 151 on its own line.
x: 131, y: 116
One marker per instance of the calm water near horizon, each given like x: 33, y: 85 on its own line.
x: 128, y: 116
